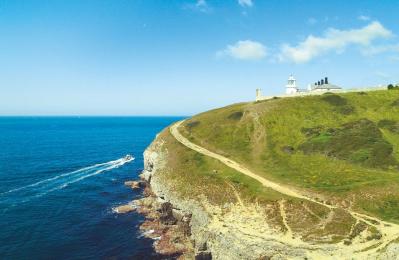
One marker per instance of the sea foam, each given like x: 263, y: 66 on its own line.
x: 38, y: 189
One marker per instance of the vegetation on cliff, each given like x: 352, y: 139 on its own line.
x: 312, y: 176
x: 344, y: 147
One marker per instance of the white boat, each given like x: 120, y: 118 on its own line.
x: 128, y: 157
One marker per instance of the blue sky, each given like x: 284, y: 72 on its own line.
x: 147, y: 57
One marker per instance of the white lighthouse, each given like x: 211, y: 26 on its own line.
x: 291, y: 87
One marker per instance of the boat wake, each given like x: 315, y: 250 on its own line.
x: 58, y: 182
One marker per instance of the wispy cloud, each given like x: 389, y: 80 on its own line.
x: 199, y: 5
x: 363, y: 18
x: 244, y: 50
x: 333, y: 40
x: 245, y: 3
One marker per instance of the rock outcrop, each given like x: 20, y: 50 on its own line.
x: 135, y: 184
x: 188, y: 217
x: 166, y: 216
x: 125, y: 208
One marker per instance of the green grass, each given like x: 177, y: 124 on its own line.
x: 192, y: 175
x: 358, y: 142
x: 391, y: 125
x: 341, y: 145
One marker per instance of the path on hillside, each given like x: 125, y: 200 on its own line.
x: 389, y: 231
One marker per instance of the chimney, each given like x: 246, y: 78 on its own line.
x: 326, y: 80
x: 322, y: 82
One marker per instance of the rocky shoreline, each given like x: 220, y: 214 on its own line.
x: 168, y: 226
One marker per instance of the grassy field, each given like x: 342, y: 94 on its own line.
x: 345, y: 147
x: 194, y: 175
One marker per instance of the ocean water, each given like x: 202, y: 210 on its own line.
x: 60, y: 177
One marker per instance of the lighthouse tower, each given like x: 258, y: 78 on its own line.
x: 291, y: 87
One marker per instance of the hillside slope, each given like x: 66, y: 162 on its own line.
x: 343, y: 148
x: 342, y: 151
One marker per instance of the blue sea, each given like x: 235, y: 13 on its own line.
x: 60, y: 177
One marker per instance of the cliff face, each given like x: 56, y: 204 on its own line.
x: 154, y: 167
x: 231, y: 231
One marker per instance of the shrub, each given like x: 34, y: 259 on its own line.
x: 192, y: 124
x: 358, y: 142
x: 235, y: 115
x: 346, y: 110
x: 335, y: 100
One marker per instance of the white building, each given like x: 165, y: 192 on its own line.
x: 291, y: 87
x: 320, y: 86
x: 323, y: 86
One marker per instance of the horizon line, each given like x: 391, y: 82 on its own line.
x: 95, y: 115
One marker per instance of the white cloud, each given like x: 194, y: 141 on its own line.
x: 332, y: 40
x: 245, y: 50
x: 363, y: 18
x: 245, y: 3
x: 199, y: 5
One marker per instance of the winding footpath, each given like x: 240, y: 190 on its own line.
x: 389, y: 231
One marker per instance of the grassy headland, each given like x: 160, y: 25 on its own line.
x: 344, y: 147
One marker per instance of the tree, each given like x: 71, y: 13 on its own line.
x: 390, y: 86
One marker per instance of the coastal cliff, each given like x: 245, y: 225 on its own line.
x: 155, y: 164
x: 261, y: 181
x: 229, y: 231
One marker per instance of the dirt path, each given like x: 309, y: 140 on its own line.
x: 389, y: 231
x: 277, y: 187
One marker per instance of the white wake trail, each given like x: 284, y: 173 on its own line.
x: 57, y: 177
x: 43, y: 187
x: 80, y: 178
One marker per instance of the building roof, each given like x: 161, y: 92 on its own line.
x: 325, y: 86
